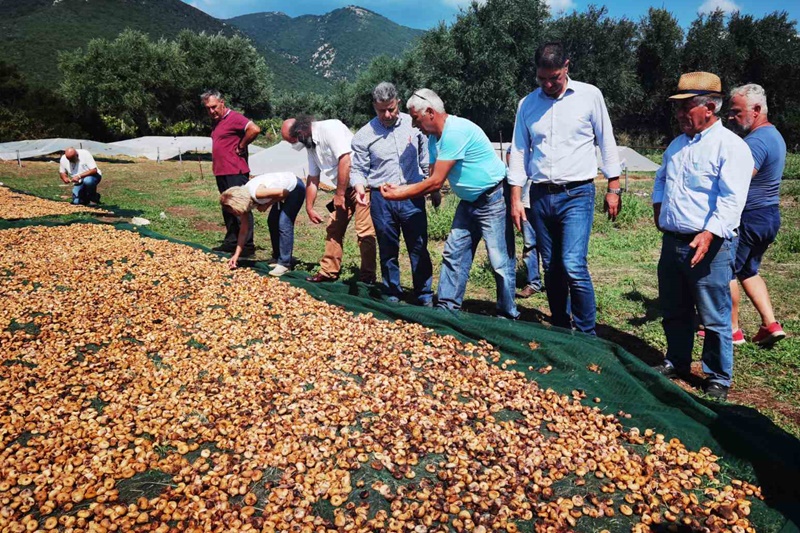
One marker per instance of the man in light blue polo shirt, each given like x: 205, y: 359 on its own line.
x: 698, y: 197
x: 461, y: 153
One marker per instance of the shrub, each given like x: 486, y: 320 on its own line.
x: 441, y: 220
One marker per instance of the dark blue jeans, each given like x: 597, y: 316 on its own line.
x: 406, y: 216
x: 682, y: 289
x: 530, y: 253
x: 281, y: 224
x: 484, y: 218
x: 86, y: 191
x: 232, y: 221
x: 563, y: 223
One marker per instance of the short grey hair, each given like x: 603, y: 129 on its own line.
x: 423, y: 99
x: 384, y: 92
x: 211, y: 93
x: 754, y: 95
x: 705, y: 99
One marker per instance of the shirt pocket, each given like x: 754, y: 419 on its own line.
x: 701, y: 175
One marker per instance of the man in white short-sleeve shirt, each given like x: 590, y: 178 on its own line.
x: 328, y: 146
x: 78, y: 168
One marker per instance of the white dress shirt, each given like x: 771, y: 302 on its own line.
x: 84, y: 163
x: 703, y: 181
x: 554, y: 138
x: 331, y: 141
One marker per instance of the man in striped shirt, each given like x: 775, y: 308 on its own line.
x: 389, y: 150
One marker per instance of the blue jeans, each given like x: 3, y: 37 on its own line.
x: 563, y: 223
x: 682, y: 289
x: 86, y: 192
x: 281, y: 224
x: 484, y: 218
x: 530, y: 253
x: 389, y: 219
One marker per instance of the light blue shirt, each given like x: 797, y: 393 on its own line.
x: 703, y: 181
x: 396, y: 155
x: 554, y: 138
x: 477, y: 167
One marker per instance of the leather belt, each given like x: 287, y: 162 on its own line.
x: 552, y: 188
x: 684, y: 237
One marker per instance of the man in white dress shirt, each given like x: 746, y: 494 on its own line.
x: 698, y: 197
x: 556, y: 130
x: 329, y: 153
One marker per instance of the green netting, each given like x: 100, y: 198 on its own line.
x: 751, y: 446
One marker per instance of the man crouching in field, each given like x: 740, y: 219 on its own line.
x: 698, y: 197
x: 78, y: 168
x: 461, y: 153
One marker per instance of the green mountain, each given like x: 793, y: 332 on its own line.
x: 33, y: 31
x: 335, y: 46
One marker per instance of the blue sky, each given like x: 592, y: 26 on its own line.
x: 425, y: 14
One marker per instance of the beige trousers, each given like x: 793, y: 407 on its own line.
x: 331, y: 262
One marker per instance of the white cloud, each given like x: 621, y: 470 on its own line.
x: 557, y: 6
x: 709, y: 6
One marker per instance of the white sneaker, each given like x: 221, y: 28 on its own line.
x: 278, y: 271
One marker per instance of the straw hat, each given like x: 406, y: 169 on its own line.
x: 698, y: 84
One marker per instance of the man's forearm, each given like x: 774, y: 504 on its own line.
x: 422, y: 188
x: 343, y: 174
x: 311, y: 192
x: 90, y: 172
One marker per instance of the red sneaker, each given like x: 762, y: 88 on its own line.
x: 769, y: 335
x: 738, y: 336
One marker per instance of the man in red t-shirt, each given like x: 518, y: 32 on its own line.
x: 230, y: 135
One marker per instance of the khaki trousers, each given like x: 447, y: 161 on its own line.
x: 331, y: 262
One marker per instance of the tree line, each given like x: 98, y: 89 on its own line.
x: 481, y: 65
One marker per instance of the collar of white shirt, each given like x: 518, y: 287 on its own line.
x: 569, y: 90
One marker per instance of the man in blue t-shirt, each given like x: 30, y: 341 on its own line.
x: 461, y: 153
x: 761, y: 218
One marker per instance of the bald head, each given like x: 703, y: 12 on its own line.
x: 298, y: 130
x: 71, y: 153
x: 286, y: 130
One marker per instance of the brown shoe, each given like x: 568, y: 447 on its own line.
x: 528, y: 291
x: 319, y: 277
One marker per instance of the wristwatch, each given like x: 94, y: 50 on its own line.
x: 618, y: 192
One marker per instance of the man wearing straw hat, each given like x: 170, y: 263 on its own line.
x: 698, y: 197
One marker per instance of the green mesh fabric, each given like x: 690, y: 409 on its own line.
x: 751, y: 446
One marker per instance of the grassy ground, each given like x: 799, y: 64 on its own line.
x: 181, y: 202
